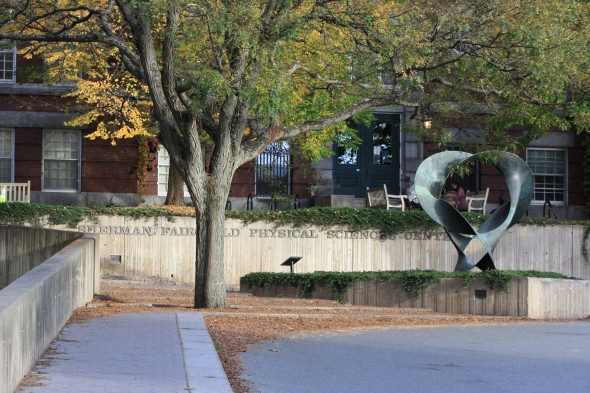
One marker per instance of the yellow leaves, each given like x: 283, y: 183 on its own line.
x: 119, y: 103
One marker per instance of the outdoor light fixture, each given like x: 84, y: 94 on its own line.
x: 427, y: 124
x: 291, y: 261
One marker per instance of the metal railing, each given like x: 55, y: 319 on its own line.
x: 548, y: 203
x: 273, y: 171
x: 296, y: 202
x: 250, y: 202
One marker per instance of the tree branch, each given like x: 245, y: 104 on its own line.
x: 297, y: 66
x: 253, y: 148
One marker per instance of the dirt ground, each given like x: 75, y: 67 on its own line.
x: 249, y: 320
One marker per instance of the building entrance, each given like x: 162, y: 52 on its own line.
x: 376, y: 162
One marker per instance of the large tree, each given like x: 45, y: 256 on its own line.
x: 237, y: 75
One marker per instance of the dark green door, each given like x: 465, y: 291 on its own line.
x: 375, y: 163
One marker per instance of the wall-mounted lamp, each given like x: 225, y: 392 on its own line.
x: 427, y: 124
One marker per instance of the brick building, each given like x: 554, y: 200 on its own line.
x: 64, y: 167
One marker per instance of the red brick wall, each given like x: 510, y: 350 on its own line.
x: 27, y: 156
x: 492, y: 179
x: 151, y: 177
x: 104, y: 168
x: 21, y: 61
x: 107, y: 168
x: 302, y: 182
x: 243, y: 182
x: 33, y: 103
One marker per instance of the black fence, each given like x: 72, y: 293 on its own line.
x: 273, y: 172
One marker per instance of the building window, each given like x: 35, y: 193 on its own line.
x: 7, y: 65
x: 164, y: 171
x: 61, y: 160
x: 549, y: 171
x: 273, y: 171
x: 413, y: 150
x: 6, y: 155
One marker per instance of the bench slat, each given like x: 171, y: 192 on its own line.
x: 17, y: 192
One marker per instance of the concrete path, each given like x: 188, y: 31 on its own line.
x: 155, y: 352
x: 524, y: 358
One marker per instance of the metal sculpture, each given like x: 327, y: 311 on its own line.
x: 431, y: 177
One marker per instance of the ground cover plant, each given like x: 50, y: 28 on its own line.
x: 414, y: 282
x: 389, y: 221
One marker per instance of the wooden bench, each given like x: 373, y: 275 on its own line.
x: 378, y: 198
x: 476, y: 201
x: 17, y: 192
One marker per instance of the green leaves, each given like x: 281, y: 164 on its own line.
x: 390, y: 222
x: 414, y: 282
x: 40, y: 215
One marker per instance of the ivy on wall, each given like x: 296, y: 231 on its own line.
x: 390, y: 222
x: 147, y: 153
x: 40, y: 215
x: 414, y: 282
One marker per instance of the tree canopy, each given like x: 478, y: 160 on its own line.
x: 237, y: 75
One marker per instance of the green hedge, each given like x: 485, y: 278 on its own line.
x: 414, y: 281
x: 390, y: 222
x: 34, y: 214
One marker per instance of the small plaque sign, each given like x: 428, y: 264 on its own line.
x: 291, y: 261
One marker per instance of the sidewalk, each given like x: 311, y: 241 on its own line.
x: 138, y: 352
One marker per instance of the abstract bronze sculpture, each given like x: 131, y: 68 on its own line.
x: 431, y: 177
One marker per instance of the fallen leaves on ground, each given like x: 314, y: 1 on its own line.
x: 234, y: 334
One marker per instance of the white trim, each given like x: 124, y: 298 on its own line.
x: 13, y: 79
x: 12, y: 137
x: 79, y: 163
x: 162, y: 151
x: 565, y: 175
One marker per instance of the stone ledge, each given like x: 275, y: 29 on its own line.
x: 535, y: 298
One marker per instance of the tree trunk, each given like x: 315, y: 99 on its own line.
x: 175, y: 195
x: 210, y: 271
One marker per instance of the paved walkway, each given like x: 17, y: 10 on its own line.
x: 511, y: 358
x: 156, y: 352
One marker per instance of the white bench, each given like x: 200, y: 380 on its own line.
x: 378, y: 198
x: 476, y: 201
x: 17, y: 192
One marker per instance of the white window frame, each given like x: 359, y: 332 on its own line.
x: 164, y: 165
x: 13, y: 79
x: 11, y: 130
x: 79, y: 163
x: 565, y: 176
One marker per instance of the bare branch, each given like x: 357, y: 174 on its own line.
x: 446, y: 83
x: 297, y: 67
x: 253, y: 148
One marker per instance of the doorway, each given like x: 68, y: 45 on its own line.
x: 376, y: 162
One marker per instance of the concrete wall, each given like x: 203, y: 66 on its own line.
x: 36, y: 306
x: 558, y: 299
x: 158, y: 247
x: 24, y: 248
x: 535, y: 298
